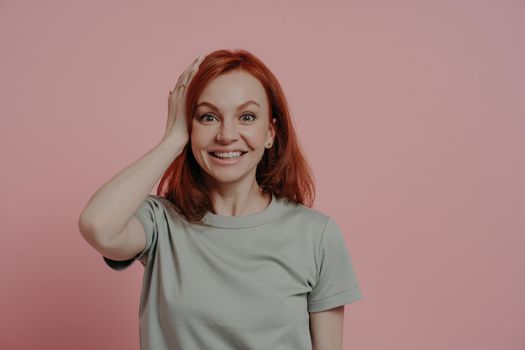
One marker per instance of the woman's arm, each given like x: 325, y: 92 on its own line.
x: 326, y: 329
x: 112, y: 206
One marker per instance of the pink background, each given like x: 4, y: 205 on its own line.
x: 411, y: 113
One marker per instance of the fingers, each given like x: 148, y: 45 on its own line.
x: 179, y: 81
x: 199, y: 59
x: 189, y: 72
x: 195, y: 67
x: 184, y: 75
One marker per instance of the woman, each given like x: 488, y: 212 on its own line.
x: 234, y: 256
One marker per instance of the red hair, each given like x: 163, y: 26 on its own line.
x: 282, y: 171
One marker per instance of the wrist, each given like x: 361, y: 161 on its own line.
x: 174, y: 141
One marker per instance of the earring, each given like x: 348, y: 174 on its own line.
x: 269, y: 144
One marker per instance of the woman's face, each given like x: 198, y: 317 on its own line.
x: 232, y: 114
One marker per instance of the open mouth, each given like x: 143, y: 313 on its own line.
x: 238, y: 155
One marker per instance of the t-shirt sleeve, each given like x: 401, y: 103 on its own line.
x: 336, y: 283
x: 147, y: 214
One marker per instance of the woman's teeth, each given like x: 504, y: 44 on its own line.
x: 228, y: 155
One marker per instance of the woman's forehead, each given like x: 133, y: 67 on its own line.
x: 233, y: 89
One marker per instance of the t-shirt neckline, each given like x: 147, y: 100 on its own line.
x: 226, y: 221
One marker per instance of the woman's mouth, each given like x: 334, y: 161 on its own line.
x: 227, y: 157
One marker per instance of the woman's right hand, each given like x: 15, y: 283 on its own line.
x: 176, y: 125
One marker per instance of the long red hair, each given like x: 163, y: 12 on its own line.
x: 283, y: 170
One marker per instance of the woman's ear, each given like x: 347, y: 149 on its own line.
x: 272, y: 127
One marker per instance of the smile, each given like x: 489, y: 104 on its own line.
x: 227, y: 158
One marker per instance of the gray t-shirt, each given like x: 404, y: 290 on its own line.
x: 238, y: 282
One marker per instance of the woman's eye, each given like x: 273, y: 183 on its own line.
x: 249, y: 114
x: 205, y: 115
x: 212, y: 116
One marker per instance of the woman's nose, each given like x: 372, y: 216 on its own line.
x: 227, y: 132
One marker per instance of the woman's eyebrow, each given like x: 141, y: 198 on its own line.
x: 210, y: 105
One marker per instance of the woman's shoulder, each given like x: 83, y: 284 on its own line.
x: 159, y: 203
x: 306, y: 215
x: 156, y: 199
